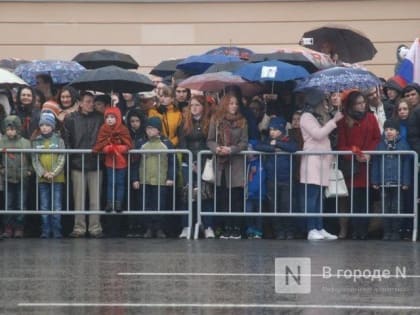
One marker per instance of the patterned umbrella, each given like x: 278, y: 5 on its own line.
x: 339, y: 79
x: 240, y: 52
x: 12, y: 63
x: 217, y: 81
x: 62, y: 72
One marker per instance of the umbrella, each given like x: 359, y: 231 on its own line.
x: 12, y: 63
x: 216, y: 81
x: 199, y: 64
x: 339, y: 79
x: 9, y: 80
x: 350, y: 45
x: 113, y: 79
x: 102, y: 58
x: 165, y: 67
x: 240, y: 52
x: 229, y: 67
x: 62, y: 72
x: 310, y: 60
x: 272, y: 71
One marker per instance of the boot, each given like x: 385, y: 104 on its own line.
x: 118, y: 207
x: 343, y: 228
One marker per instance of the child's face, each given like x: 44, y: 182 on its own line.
x: 167, y: 100
x: 275, y: 133
x: 135, y: 123
x: 110, y: 120
x: 390, y: 134
x: 403, y: 110
x: 152, y: 132
x: 45, y: 129
x: 11, y: 132
x: 100, y: 106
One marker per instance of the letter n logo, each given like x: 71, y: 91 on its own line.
x: 293, y: 275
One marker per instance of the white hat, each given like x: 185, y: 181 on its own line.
x: 150, y: 94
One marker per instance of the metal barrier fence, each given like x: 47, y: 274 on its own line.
x: 235, y: 208
x: 30, y: 183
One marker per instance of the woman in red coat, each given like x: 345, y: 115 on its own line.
x: 358, y: 132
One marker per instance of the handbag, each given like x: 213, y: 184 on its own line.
x: 337, y: 185
x: 208, y: 171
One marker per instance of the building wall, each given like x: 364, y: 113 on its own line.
x: 154, y: 31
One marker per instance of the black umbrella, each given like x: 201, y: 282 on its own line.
x: 310, y: 60
x: 229, y: 67
x: 102, y: 58
x: 113, y: 79
x: 12, y: 63
x: 350, y: 45
x: 166, y: 67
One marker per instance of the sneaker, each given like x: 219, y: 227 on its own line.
x: 327, y: 236
x: 148, y: 234
x: 314, y: 235
x: 76, y: 234
x: 227, y: 231
x: 386, y: 237
x: 218, y: 232
x: 236, y: 233
x: 160, y: 234
x: 18, y: 233
x: 209, y: 233
x: 45, y: 235
x: 97, y: 235
x: 185, y: 232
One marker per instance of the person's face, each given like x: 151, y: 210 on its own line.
x: 256, y: 110
x: 152, y: 132
x: 45, y: 129
x: 135, y: 122
x: 335, y: 99
x: 167, y: 100
x: 373, y: 97
x: 127, y: 96
x: 26, y: 97
x: 147, y: 103
x: 110, y: 120
x: 65, y: 99
x: 390, y: 134
x: 275, y: 133
x: 11, y: 132
x: 412, y: 98
x: 233, y: 105
x: 403, y: 110
x: 296, y: 121
x: 159, y: 88
x: 100, y: 106
x: 37, y: 104
x: 391, y: 94
x: 360, y: 104
x: 87, y: 105
x: 196, y: 108
x: 181, y: 94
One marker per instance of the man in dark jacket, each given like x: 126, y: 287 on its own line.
x: 411, y: 94
x: 81, y: 129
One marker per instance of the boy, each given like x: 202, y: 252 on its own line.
x: 50, y: 170
x: 17, y: 168
x: 114, y: 140
x: 277, y: 168
x: 156, y: 173
x: 391, y: 172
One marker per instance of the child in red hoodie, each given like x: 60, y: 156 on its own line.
x: 114, y: 140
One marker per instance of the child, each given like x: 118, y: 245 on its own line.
x: 17, y: 168
x: 277, y: 167
x: 391, y: 172
x: 156, y: 173
x: 50, y: 170
x: 114, y: 140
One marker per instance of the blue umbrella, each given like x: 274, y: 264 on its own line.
x: 240, y: 52
x: 271, y: 71
x: 62, y: 72
x: 339, y: 79
x: 199, y: 64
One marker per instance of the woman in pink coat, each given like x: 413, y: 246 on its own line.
x: 316, y: 125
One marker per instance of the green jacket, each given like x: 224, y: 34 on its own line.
x: 18, y: 164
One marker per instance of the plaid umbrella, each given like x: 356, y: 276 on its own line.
x: 62, y: 72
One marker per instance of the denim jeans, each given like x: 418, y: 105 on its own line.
x: 16, y: 200
x: 116, y: 180
x: 51, y: 198
x: 313, y: 194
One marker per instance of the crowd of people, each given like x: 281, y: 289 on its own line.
x: 227, y: 123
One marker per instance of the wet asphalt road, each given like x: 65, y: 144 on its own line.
x: 132, y: 276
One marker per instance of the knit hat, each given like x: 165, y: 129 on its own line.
x: 392, y: 123
x: 313, y: 96
x: 395, y: 83
x: 154, y: 122
x: 47, y: 118
x: 52, y: 107
x: 278, y: 123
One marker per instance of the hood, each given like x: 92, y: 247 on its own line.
x: 116, y: 112
x: 13, y: 121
